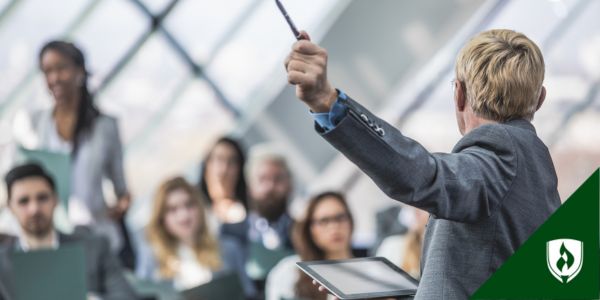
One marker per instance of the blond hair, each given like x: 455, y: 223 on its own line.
x: 263, y: 153
x: 165, y: 245
x: 502, y: 72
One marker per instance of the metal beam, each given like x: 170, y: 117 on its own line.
x: 158, y: 118
x: 195, y: 68
x: 131, y: 52
x: 8, y: 9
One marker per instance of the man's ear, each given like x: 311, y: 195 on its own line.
x: 541, y: 99
x: 460, y: 97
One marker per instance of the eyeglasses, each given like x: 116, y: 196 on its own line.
x: 337, y: 219
x: 453, y: 84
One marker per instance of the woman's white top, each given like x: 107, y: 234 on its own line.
x: 190, y: 273
x: 282, y: 279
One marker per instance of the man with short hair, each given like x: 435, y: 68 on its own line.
x: 487, y: 196
x: 32, y: 199
x: 267, y: 229
x: 270, y: 187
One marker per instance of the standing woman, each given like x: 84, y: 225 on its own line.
x: 75, y: 126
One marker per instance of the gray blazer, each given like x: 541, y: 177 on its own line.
x: 486, y: 197
x: 103, y: 269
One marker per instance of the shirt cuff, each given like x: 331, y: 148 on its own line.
x: 329, y: 120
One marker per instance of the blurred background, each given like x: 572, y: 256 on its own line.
x: 180, y: 74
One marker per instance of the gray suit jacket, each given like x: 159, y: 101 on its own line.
x: 486, y: 197
x: 103, y: 270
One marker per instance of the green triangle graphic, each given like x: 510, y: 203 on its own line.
x: 527, y: 275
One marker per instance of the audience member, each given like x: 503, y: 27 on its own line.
x: 405, y: 250
x: 181, y: 247
x: 325, y: 233
x: 32, y: 199
x: 266, y: 231
x: 222, y: 182
x: 270, y: 190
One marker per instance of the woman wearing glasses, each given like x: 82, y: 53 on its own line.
x: 325, y: 233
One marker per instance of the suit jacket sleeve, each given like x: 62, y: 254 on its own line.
x: 466, y: 185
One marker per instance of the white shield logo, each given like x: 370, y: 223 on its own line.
x: 564, y: 258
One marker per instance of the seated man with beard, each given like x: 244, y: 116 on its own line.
x: 268, y: 224
x: 32, y: 199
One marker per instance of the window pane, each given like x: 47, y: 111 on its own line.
x: 31, y: 24
x: 260, y: 46
x: 178, y: 141
x: 199, y: 25
x: 144, y: 86
x: 4, y: 4
x: 107, y: 34
x: 156, y: 6
x: 572, y: 68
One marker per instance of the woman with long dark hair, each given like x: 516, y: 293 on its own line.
x: 222, y: 181
x: 76, y: 127
x: 324, y: 233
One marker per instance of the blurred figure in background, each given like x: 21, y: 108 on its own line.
x: 270, y: 189
x: 325, y: 233
x: 391, y: 221
x: 405, y: 250
x: 32, y: 199
x: 222, y: 182
x: 76, y: 127
x: 268, y: 225
x: 181, y: 247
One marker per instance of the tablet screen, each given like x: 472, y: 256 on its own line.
x: 367, y: 277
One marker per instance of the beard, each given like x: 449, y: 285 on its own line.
x: 270, y: 209
x: 38, y: 226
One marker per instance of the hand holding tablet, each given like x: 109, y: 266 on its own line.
x: 360, y: 278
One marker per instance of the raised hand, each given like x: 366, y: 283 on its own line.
x: 306, y: 66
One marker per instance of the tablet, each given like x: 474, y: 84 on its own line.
x: 361, y: 278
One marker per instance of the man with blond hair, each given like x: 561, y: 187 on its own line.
x: 487, y: 196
